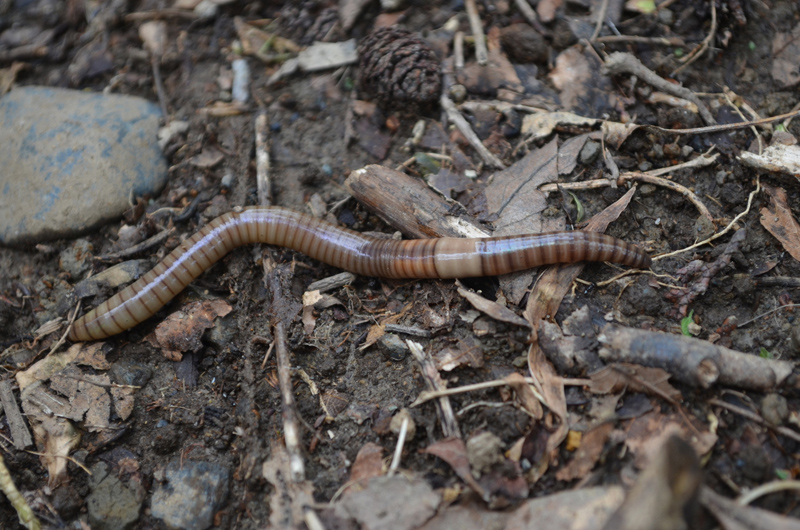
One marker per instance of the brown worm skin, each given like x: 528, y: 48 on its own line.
x: 387, y: 258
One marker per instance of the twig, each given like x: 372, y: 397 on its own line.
x: 160, y: 14
x: 162, y: 96
x: 530, y: 15
x: 663, y: 41
x: 291, y: 432
x: 26, y: 516
x: 741, y: 115
x: 718, y: 234
x: 475, y: 24
x: 398, y: 449
x: 601, y: 16
x: 794, y: 112
x: 727, y: 126
x: 752, y: 416
x: 624, y: 63
x: 635, y: 175
x: 434, y: 382
x: 698, y: 51
x: 139, y: 247
x: 427, y: 395
x: 66, y: 331
x: 766, y: 314
x: 455, y: 116
x: 262, y: 160
x: 766, y: 489
x: 458, y: 50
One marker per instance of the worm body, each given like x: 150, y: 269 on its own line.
x: 346, y: 249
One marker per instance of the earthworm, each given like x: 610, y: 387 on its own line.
x: 388, y: 258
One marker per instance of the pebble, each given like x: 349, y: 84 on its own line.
x: 191, y: 494
x: 775, y: 409
x: 71, y: 160
x: 111, y: 504
x: 393, y: 347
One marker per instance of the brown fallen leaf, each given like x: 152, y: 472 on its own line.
x: 586, y: 508
x: 209, y: 157
x: 181, y: 331
x: 665, y: 493
x: 587, y: 455
x: 368, y: 464
x: 635, y: 377
x: 464, y: 352
x: 543, y: 304
x: 778, y: 220
x: 646, y: 434
x: 493, y: 309
x: 399, y: 503
x: 454, y: 452
x: 524, y: 394
x: 513, y: 196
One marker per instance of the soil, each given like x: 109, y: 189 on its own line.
x: 229, y: 410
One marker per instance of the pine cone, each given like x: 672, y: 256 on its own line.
x: 399, y: 70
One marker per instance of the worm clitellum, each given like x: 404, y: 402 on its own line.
x: 387, y: 258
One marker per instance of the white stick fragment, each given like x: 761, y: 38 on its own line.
x: 475, y: 24
x: 262, y: 160
x: 241, y: 81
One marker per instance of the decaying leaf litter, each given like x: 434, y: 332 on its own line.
x: 425, y: 403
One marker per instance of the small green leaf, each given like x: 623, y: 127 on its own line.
x: 579, y: 211
x: 752, y: 46
x: 646, y: 7
x: 764, y: 353
x: 678, y: 52
x: 783, y: 474
x: 427, y: 164
x: 685, y: 324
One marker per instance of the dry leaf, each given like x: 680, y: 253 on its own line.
x: 368, y: 464
x: 209, y: 157
x: 652, y: 381
x: 586, y: 456
x: 493, y: 309
x: 466, y: 352
x: 181, y: 331
x: 778, y: 220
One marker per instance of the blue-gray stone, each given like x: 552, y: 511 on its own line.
x: 191, y: 494
x: 69, y: 160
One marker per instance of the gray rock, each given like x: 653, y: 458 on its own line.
x: 70, y: 160
x: 111, y: 504
x: 191, y: 494
x: 393, y: 347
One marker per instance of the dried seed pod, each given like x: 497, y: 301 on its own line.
x: 399, y: 70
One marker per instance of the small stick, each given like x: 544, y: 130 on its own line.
x: 601, y: 16
x: 398, y: 449
x: 663, y: 41
x: 530, y: 15
x: 291, y: 432
x: 434, y: 382
x: 698, y: 51
x: 262, y: 159
x: 718, y: 234
x: 752, y: 416
x: 137, y: 248
x: 458, y: 50
x: 481, y: 53
x: 455, y: 116
x: 162, y: 97
x: 624, y: 63
x: 27, y: 517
